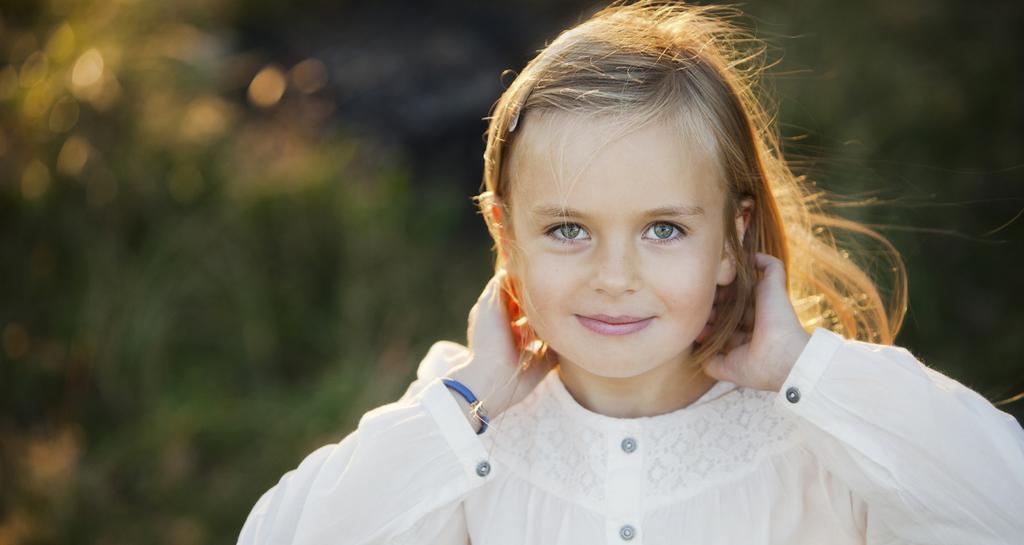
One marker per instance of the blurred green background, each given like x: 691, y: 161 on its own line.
x: 228, y: 229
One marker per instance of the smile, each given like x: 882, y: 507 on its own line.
x: 606, y: 328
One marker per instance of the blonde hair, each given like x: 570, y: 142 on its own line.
x: 635, y: 63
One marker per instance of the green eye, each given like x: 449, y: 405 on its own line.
x: 565, y: 233
x: 569, y: 230
x: 663, y: 230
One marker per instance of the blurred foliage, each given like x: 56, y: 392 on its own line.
x: 210, y: 268
x: 204, y: 277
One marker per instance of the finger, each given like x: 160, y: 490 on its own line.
x: 490, y: 289
x: 489, y: 306
x: 498, y: 280
x: 773, y: 268
x: 772, y: 291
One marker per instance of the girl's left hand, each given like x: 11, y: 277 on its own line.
x: 761, y: 353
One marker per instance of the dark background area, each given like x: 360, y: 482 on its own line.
x: 228, y: 229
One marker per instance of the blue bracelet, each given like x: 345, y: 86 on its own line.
x: 474, y: 403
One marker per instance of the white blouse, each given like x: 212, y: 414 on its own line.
x: 864, y: 444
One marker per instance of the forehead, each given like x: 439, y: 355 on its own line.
x: 586, y: 163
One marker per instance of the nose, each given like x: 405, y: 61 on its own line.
x: 617, y: 269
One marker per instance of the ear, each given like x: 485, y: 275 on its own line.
x: 727, y: 267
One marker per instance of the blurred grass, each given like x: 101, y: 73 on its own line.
x: 210, y: 270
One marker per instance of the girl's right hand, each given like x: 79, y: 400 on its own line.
x: 493, y: 372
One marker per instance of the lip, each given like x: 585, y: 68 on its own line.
x: 621, y: 325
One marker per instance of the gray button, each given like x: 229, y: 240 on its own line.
x: 483, y: 468
x: 793, y: 394
x: 627, y: 532
x: 629, y: 444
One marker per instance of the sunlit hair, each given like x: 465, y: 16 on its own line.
x: 693, y: 66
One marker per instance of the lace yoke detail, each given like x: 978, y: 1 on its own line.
x: 537, y: 440
x: 723, y: 440
x: 552, y: 441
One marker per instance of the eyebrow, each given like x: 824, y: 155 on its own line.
x: 564, y: 212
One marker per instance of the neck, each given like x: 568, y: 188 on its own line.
x: 663, y: 389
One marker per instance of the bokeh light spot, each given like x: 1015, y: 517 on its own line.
x: 73, y: 156
x: 88, y: 69
x: 206, y: 117
x: 35, y: 180
x: 64, y: 115
x: 61, y: 44
x: 267, y: 87
x: 309, y: 76
x: 51, y: 460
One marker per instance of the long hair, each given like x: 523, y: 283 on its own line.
x: 649, y: 60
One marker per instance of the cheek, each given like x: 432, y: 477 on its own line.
x: 687, y: 289
x: 549, y: 282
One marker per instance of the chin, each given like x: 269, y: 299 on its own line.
x: 610, y: 363
x: 619, y: 360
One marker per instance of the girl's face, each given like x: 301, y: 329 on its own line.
x: 632, y: 229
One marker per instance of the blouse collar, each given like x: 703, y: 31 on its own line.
x: 553, y: 385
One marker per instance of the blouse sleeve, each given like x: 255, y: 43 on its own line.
x: 398, y: 478
x: 924, y: 459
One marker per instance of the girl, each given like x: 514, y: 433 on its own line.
x: 673, y: 348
